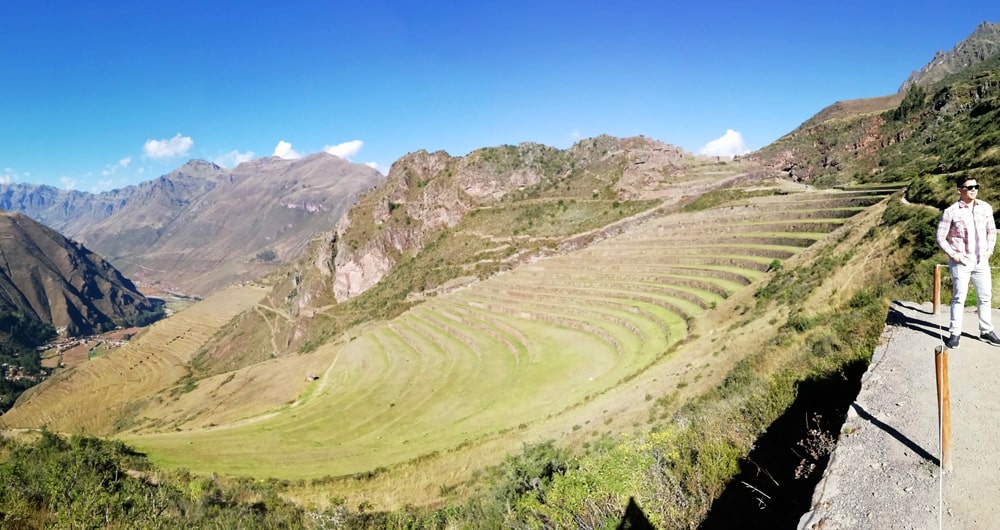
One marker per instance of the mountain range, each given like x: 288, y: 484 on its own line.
x: 201, y: 226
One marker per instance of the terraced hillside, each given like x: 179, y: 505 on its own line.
x: 526, y: 353
x: 104, y: 394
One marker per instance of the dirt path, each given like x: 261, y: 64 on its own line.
x: 884, y: 472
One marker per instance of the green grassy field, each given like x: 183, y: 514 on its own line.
x: 516, y: 350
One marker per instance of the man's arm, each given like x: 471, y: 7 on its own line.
x: 943, y: 228
x: 991, y: 233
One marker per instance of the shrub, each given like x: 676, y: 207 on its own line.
x: 266, y: 256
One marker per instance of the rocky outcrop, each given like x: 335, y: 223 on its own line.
x: 648, y: 163
x: 981, y: 45
x: 426, y: 193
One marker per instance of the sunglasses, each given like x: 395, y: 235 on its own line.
x: 971, y: 188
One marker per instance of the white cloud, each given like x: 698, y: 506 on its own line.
x: 112, y: 169
x: 344, y: 150
x: 233, y: 158
x: 284, y: 150
x: 8, y: 176
x: 176, y: 146
x: 575, y: 135
x: 730, y: 144
x: 68, y: 183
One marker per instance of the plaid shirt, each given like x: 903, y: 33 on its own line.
x: 967, y: 230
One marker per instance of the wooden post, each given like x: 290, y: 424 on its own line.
x: 937, y: 288
x: 944, y: 405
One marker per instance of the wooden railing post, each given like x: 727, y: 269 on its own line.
x: 937, y: 288
x: 944, y: 405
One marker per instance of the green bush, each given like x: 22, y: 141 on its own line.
x: 269, y: 255
x: 85, y: 482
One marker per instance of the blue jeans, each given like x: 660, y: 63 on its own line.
x: 982, y: 281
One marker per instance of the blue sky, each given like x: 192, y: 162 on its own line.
x: 99, y: 95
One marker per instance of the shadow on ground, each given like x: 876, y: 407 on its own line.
x: 776, y: 480
x: 634, y: 518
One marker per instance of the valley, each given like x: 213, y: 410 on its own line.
x: 566, y: 346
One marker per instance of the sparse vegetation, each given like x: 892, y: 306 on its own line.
x: 266, y: 256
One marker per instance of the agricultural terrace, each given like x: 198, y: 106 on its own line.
x: 527, y: 347
x: 91, y: 397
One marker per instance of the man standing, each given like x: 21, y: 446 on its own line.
x: 967, y: 233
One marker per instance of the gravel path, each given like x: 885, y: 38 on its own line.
x: 884, y: 472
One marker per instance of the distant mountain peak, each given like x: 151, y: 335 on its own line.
x: 268, y: 163
x: 199, y: 168
x: 986, y: 29
x: 981, y: 45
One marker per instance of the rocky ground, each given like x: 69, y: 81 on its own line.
x: 884, y: 472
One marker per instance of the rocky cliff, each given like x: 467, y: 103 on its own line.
x: 980, y: 46
x: 439, y: 222
x: 426, y: 193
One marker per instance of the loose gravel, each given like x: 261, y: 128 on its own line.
x: 884, y: 472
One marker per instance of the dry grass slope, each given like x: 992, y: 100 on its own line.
x: 90, y: 398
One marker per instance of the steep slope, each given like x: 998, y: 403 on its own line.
x: 900, y: 136
x: 142, y: 216
x: 428, y: 193
x: 194, y: 229
x: 566, y: 347
x: 438, y: 223
x: 980, y: 46
x: 61, y: 282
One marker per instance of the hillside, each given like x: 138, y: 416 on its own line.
x: 51, y: 286
x: 61, y: 282
x: 980, y: 46
x: 900, y: 136
x: 482, y: 214
x: 617, y: 334
x: 191, y: 230
x: 439, y: 223
x: 570, y: 306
